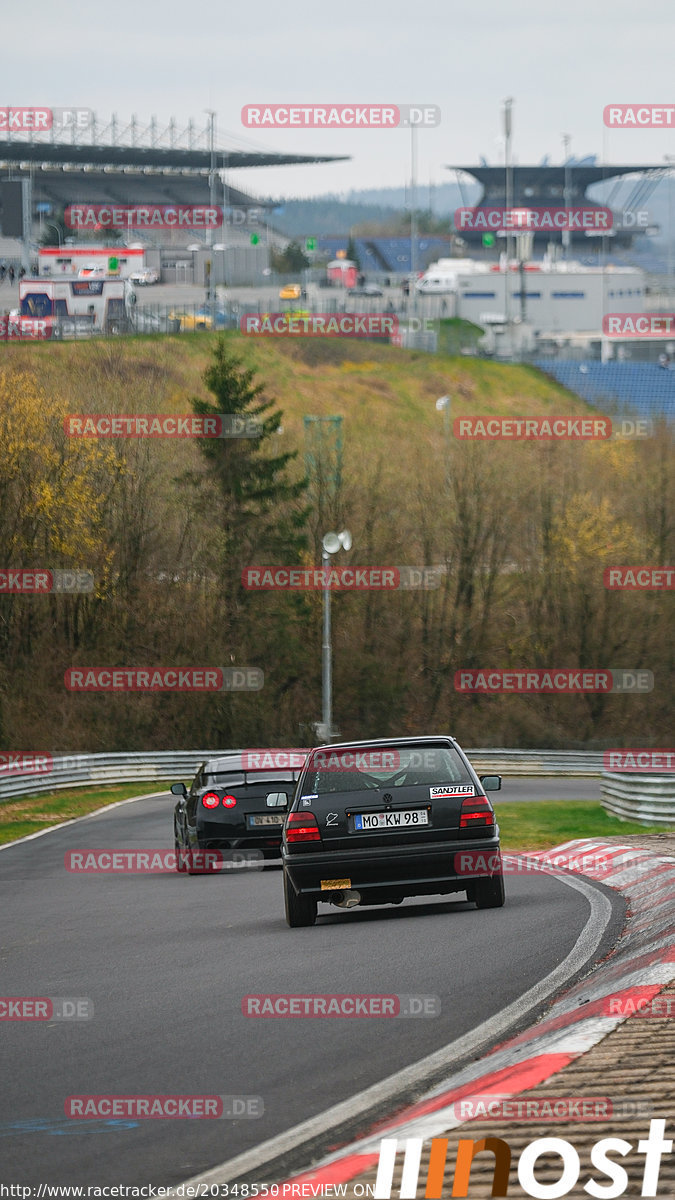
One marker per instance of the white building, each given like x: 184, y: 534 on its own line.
x: 558, y: 296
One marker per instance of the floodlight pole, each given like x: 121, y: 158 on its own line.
x: 211, y: 302
x: 566, y: 193
x: 509, y: 202
x: 326, y: 654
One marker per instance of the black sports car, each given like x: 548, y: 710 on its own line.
x: 374, y: 822
x: 231, y: 808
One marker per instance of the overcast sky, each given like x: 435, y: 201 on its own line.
x: 561, y: 62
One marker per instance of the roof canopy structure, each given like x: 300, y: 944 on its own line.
x: 543, y: 186
x: 135, y: 164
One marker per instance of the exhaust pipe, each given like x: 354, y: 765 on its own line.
x: 346, y: 899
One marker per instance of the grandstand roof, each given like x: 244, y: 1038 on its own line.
x: 75, y: 172
x: 541, y: 177
x: 161, y: 159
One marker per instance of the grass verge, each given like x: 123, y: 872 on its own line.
x: 28, y: 814
x: 538, y: 825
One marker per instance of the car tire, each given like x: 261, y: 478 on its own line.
x: 195, y: 870
x: 489, y: 893
x: 180, y: 861
x: 300, y: 910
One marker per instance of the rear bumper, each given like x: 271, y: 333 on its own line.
x: 226, y: 835
x: 422, y: 870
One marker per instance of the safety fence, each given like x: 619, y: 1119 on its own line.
x: 647, y: 799
x: 47, y: 773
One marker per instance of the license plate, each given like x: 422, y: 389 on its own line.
x: 267, y: 819
x: 403, y: 818
x: 335, y: 885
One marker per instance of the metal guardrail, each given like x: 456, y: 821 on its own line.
x: 647, y: 799
x: 537, y: 762
x: 87, y: 770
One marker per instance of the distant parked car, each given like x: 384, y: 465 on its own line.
x: 366, y: 289
x: 291, y: 291
x: 203, y: 319
x: 91, y: 271
x: 144, y: 276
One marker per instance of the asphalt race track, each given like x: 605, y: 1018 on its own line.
x: 166, y: 960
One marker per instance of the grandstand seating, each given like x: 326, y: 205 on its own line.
x: 390, y: 254
x: 642, y: 389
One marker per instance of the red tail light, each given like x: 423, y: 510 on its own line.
x: 476, y: 811
x: 302, y: 827
x: 210, y: 800
x: 229, y: 801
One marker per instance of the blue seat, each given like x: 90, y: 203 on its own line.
x: 638, y: 389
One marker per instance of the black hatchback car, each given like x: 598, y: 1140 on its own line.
x: 232, y: 807
x: 375, y: 822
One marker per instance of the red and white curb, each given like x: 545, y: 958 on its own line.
x: 644, y: 958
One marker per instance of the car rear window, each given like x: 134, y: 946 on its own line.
x: 363, y: 768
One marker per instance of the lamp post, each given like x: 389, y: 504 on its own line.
x: 567, y: 195
x: 331, y: 543
x: 508, y: 169
x: 212, y: 196
x: 669, y: 158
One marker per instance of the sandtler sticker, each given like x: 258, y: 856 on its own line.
x: 454, y: 789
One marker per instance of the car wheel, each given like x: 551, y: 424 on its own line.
x: 489, y: 893
x: 192, y: 870
x: 180, y: 861
x: 300, y: 910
